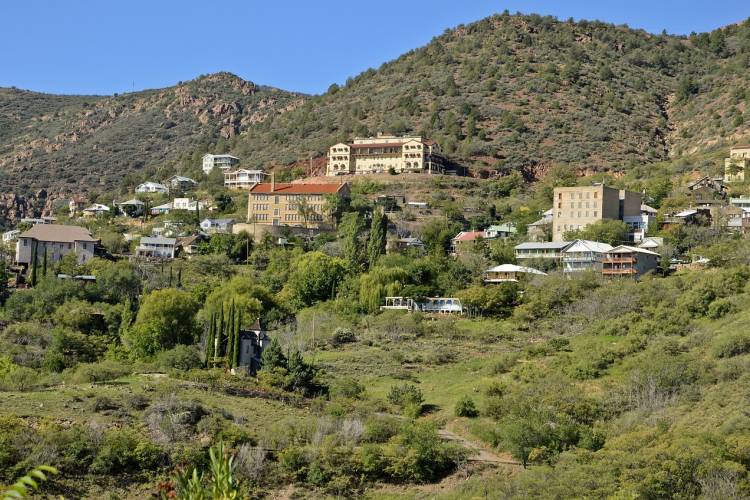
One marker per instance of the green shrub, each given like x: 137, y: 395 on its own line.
x: 404, y: 395
x: 342, y: 336
x: 100, y: 372
x: 720, y: 308
x: 505, y: 363
x: 732, y: 344
x: 181, y: 357
x: 124, y: 450
x: 380, y: 430
x: 347, y: 387
x: 465, y: 407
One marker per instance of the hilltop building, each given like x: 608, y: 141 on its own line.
x: 577, y: 207
x: 283, y: 204
x: 583, y: 255
x: 56, y: 241
x: 384, y: 153
x: 509, y: 273
x: 223, y: 162
x: 156, y: 247
x: 735, y: 165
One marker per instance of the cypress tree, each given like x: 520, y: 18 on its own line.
x: 34, y: 270
x: 44, y: 262
x: 236, y: 343
x: 220, y: 349
x: 230, y: 334
x: 179, y: 278
x: 378, y: 233
x: 210, y: 340
x: 170, y: 276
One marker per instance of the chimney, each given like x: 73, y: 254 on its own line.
x: 273, y: 182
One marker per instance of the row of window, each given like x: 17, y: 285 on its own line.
x: 581, y: 195
x: 585, y: 213
x: 260, y: 206
x: 299, y: 218
x: 51, y: 245
x: 581, y: 204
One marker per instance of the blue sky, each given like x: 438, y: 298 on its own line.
x: 107, y: 46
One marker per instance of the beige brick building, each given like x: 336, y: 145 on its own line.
x: 735, y: 165
x: 281, y: 204
x: 381, y: 154
x: 576, y: 207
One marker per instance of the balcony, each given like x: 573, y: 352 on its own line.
x: 619, y: 260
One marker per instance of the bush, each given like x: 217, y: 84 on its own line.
x: 348, y: 388
x: 125, y: 451
x: 181, y: 357
x: 100, y: 372
x: 731, y: 345
x: 342, y: 336
x: 404, y: 395
x: 720, y: 308
x: 465, y: 407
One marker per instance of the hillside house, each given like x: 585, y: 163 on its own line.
x: 39, y: 220
x: 296, y: 205
x: 179, y: 184
x: 243, y: 179
x: 583, y: 255
x: 736, y: 163
x: 152, y: 187
x: 11, y: 235
x: 541, y: 230
x: 76, y: 205
x: 188, y: 245
x: 708, y: 191
x: 217, y: 225
x: 56, y: 241
x: 627, y: 261
x: 223, y: 162
x: 96, y: 210
x: 540, y: 250
x: 188, y: 204
x: 132, y: 208
x: 740, y: 202
x: 161, y: 209
x: 385, y: 153
x: 465, y: 240
x: 252, y: 343
x: 404, y: 244
x: 638, y: 224
x: 430, y: 305
x: 509, y: 273
x: 505, y: 230
x: 156, y: 247
x: 653, y: 243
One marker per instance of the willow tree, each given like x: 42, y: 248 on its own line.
x: 379, y: 283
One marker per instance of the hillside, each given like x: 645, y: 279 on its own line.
x: 83, y: 143
x: 506, y: 93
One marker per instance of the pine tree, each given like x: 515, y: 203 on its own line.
x: 210, y: 340
x: 273, y: 356
x: 378, y: 233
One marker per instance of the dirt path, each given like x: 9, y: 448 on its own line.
x: 481, y: 454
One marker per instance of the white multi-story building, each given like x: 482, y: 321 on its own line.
x: 223, y: 162
x: 638, y: 224
x: 243, y: 179
x: 151, y: 187
x: 384, y: 153
x: 56, y: 241
x: 188, y: 204
x: 156, y: 247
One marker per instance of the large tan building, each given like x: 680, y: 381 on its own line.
x: 385, y: 153
x: 735, y: 165
x: 577, y: 207
x: 283, y: 204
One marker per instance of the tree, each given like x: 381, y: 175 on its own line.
x: 166, y: 318
x: 3, y: 281
x: 211, y: 340
x: 378, y: 232
x: 494, y: 300
x: 610, y: 231
x: 305, y: 210
x: 349, y: 232
x: 230, y: 336
x: 34, y: 265
x: 273, y: 356
x: 314, y: 277
x: 235, y: 357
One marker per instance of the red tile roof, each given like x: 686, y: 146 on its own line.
x: 287, y: 188
x: 469, y: 235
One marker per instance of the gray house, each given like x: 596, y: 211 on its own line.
x: 217, y: 225
x: 252, y: 343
